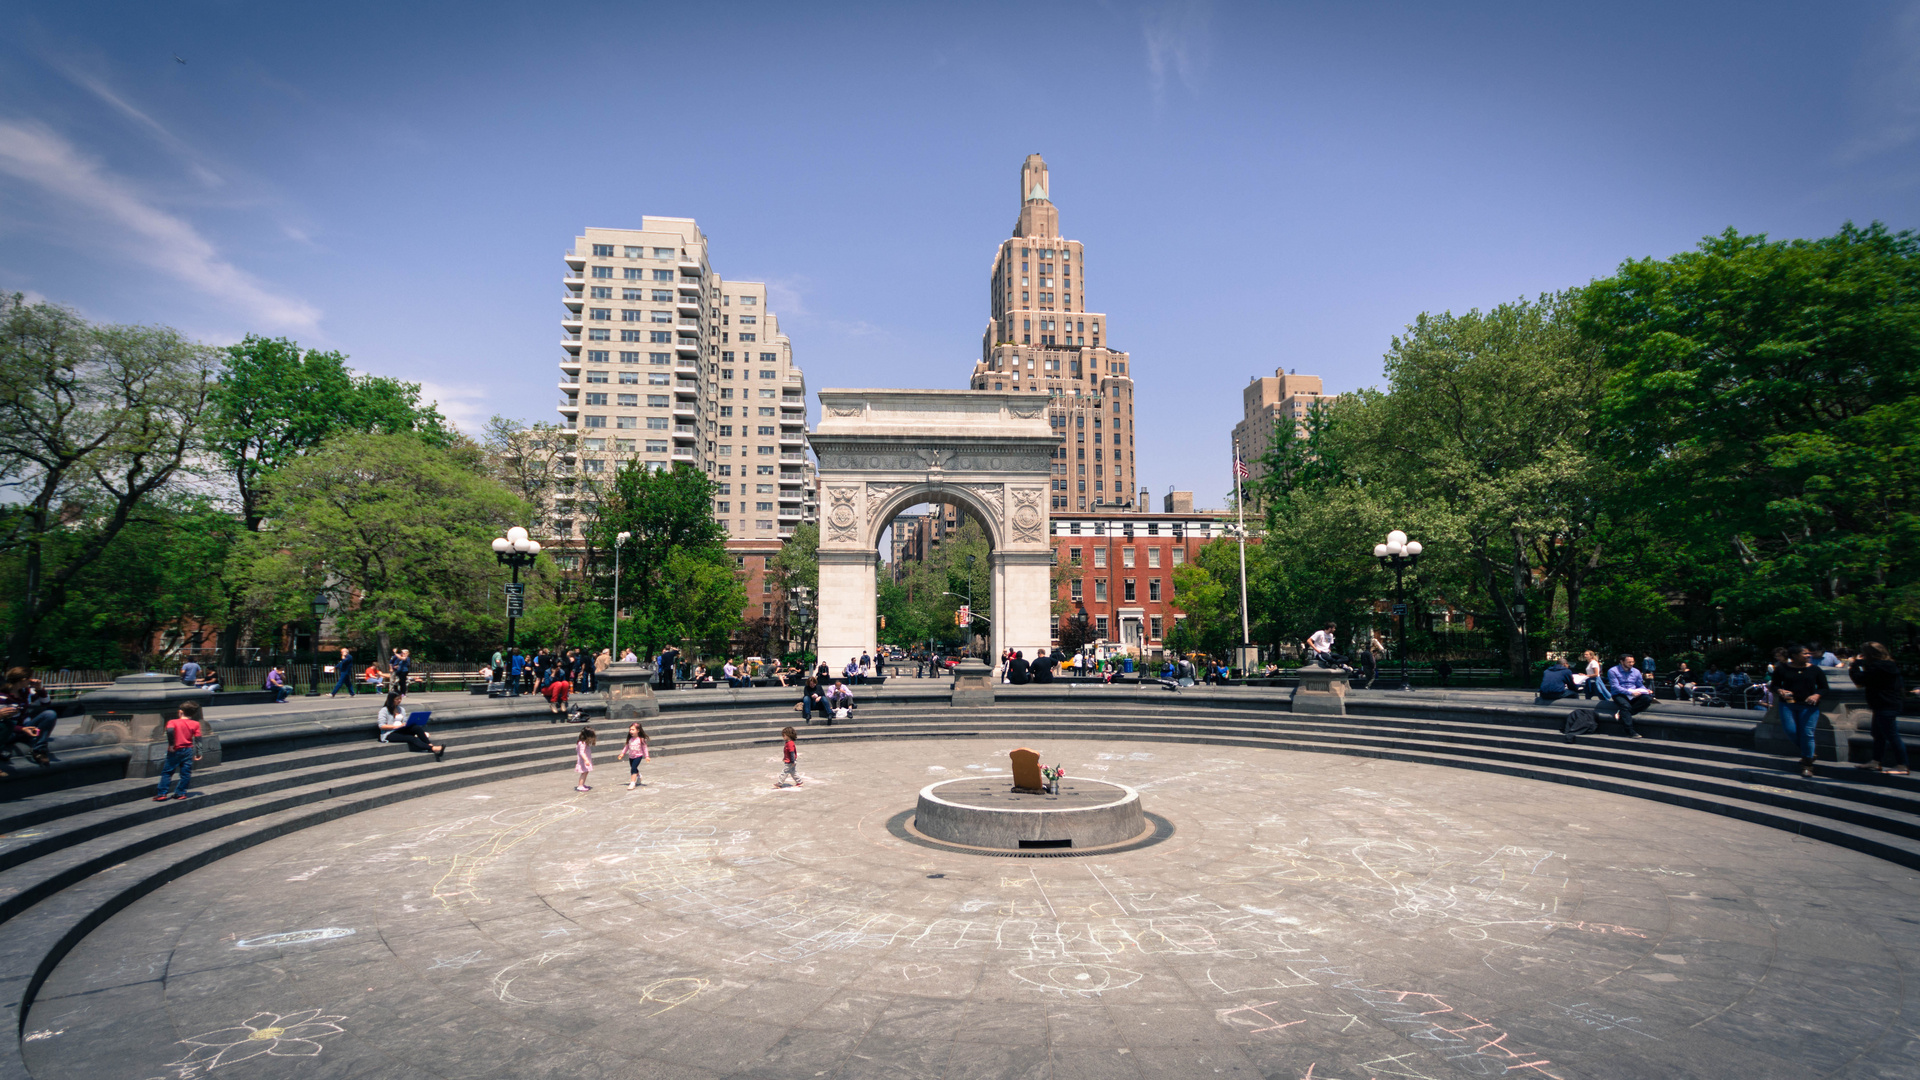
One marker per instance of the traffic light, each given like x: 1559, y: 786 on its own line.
x: 883, y: 622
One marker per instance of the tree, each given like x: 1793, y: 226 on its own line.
x: 1211, y: 624
x: 398, y: 530
x: 274, y: 403
x: 794, y: 571
x: 571, y: 588
x: 1764, y: 414
x: 677, y: 578
x: 162, y: 575
x: 94, y: 422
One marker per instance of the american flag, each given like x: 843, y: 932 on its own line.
x: 1240, y: 469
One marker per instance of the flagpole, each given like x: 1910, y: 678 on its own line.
x: 1240, y: 504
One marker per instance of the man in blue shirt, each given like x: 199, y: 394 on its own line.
x: 1628, y: 691
x: 190, y: 673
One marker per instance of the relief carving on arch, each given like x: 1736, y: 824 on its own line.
x: 994, y: 495
x: 843, y: 514
x: 877, y: 494
x: 1028, y: 519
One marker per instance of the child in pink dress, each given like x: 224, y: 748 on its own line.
x: 634, y: 753
x: 583, y: 758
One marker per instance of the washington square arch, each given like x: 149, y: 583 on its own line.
x: 882, y: 451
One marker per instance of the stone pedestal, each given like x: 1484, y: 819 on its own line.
x: 972, y: 684
x: 629, y: 690
x: 981, y: 812
x: 1838, y: 723
x: 1322, y: 691
x: 134, y: 712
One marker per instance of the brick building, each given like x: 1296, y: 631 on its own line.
x: 1118, y: 565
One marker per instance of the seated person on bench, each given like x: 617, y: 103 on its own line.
x: 1556, y: 682
x: 1628, y: 691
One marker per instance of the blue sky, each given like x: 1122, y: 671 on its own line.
x: 1256, y: 185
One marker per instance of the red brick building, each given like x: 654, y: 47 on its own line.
x: 1119, y: 564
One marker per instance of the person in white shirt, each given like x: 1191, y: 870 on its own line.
x: 629, y: 657
x: 1321, y: 645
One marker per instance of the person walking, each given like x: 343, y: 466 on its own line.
x: 345, y: 670
x: 790, y: 757
x: 880, y: 664
x: 583, y: 758
x: 395, y: 727
x: 635, y: 752
x: 866, y: 669
x: 401, y: 665
x: 1376, y: 652
x: 182, y: 730
x: 1797, y: 689
x: 1875, y: 672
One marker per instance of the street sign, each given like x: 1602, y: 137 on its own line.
x: 1399, y: 609
x: 963, y: 616
x: 516, y: 599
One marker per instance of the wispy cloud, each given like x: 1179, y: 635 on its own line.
x: 159, y: 131
x: 1177, y: 44
x: 1887, y: 87
x: 126, y: 218
x: 464, y: 408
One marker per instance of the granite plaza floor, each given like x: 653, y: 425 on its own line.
x: 1312, y: 916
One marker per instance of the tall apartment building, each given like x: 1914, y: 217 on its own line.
x: 1266, y: 402
x: 666, y: 361
x: 916, y: 536
x: 1043, y: 339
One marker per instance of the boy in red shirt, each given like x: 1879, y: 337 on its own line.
x: 182, y: 730
x: 790, y: 754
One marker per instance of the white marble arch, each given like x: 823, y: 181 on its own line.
x: 882, y: 451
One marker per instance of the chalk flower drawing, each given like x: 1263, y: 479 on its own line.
x: 274, y: 1034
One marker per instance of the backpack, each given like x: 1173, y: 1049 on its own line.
x: 1580, y: 722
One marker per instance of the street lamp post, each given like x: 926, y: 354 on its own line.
x: 320, y: 605
x: 1399, y: 554
x: 618, y: 540
x: 515, y: 550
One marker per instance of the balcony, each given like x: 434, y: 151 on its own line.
x: 789, y: 516
x: 573, y: 277
x: 793, y: 420
x: 684, y: 410
x: 682, y: 433
x: 571, y: 343
x: 685, y: 453
x: 570, y: 364
x: 568, y: 381
x: 791, y: 496
x: 686, y: 389
x: 575, y: 261
x: 571, y: 318
x: 689, y: 286
x: 789, y: 478
x: 793, y: 457
x: 688, y: 266
x: 573, y: 299
x: 689, y: 326
x: 790, y: 438
x: 687, y: 348
x: 569, y: 408
x: 690, y: 303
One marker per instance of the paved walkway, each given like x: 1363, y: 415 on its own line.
x: 1311, y: 916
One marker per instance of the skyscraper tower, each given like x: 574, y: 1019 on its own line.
x: 1041, y: 338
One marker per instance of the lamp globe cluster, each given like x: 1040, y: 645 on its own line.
x: 1397, y: 544
x: 516, y: 540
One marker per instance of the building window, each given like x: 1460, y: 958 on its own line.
x: 1073, y: 554
x: 1100, y: 626
x: 658, y: 378
x: 596, y: 399
x: 596, y: 356
x: 765, y: 430
x: 654, y: 401
x: 660, y: 337
x: 1100, y: 557
x: 656, y: 446
x: 726, y: 431
x: 596, y: 376
x: 725, y: 508
x: 626, y: 422
x: 629, y: 357
x: 658, y: 316
x: 657, y: 423
x: 603, y: 271
x: 1153, y: 553
x: 604, y: 251
x: 764, y: 507
x: 1075, y: 583
x: 1126, y: 557
x: 1127, y: 590
x: 662, y: 275
x: 593, y: 421
x: 629, y: 315
x: 1156, y: 625
x: 599, y: 334
x: 766, y: 450
x: 1179, y: 556
x: 659, y: 359
x: 1153, y: 593
x: 1100, y: 590
x: 748, y: 337
x: 769, y: 358
x: 634, y: 273
x: 625, y: 446
x: 593, y: 465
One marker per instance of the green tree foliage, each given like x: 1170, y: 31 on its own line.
x: 921, y: 606
x: 275, y: 402
x: 569, y: 593
x: 1212, y: 609
x: 398, y: 530
x: 793, y: 573
x: 677, y: 584
x: 162, y: 575
x: 1482, y: 446
x: 95, y: 421
x: 1764, y: 412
